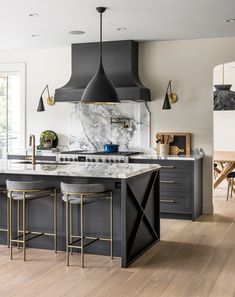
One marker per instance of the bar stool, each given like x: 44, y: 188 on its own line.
x: 83, y: 194
x: 3, y: 191
x: 230, y: 178
x: 28, y: 191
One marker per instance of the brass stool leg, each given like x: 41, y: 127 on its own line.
x: 67, y: 229
x: 10, y: 224
x: 111, y: 223
x: 82, y: 232
x: 24, y: 226
x: 18, y: 222
x: 55, y: 221
x: 70, y: 226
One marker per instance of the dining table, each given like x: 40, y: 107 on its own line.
x: 227, y: 161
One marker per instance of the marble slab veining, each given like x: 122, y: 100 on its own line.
x: 90, y: 126
x: 98, y: 170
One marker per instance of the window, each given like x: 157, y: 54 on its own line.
x: 12, y: 108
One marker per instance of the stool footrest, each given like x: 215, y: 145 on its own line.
x: 16, y: 239
x: 71, y: 245
x: 91, y: 237
x: 37, y: 232
x: 3, y: 230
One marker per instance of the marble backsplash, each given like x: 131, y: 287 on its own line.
x: 90, y: 126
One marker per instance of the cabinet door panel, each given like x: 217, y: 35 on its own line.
x: 177, y: 182
x: 175, y: 202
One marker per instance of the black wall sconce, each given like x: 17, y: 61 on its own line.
x: 170, y: 98
x: 50, y: 100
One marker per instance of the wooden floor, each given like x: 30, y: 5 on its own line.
x: 192, y: 259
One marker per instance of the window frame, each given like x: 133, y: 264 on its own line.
x: 19, y: 68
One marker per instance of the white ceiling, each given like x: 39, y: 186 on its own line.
x: 144, y: 19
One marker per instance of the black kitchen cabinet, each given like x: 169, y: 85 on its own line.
x: 180, y: 187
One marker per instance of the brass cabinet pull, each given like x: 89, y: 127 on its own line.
x: 168, y: 167
x: 167, y: 182
x: 167, y: 201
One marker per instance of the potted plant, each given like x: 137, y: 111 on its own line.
x: 47, y: 138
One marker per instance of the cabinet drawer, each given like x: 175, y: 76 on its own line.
x: 175, y: 202
x: 176, y: 182
x: 168, y: 165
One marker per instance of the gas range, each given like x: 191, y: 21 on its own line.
x: 94, y: 156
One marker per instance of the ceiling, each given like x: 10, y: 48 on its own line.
x: 144, y: 20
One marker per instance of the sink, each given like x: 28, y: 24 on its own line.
x: 40, y: 163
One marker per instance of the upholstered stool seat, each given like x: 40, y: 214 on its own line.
x: 83, y: 194
x: 75, y: 191
x: 23, y: 191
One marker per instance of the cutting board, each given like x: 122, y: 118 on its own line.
x: 175, y: 150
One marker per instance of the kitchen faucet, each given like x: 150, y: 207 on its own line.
x: 32, y: 143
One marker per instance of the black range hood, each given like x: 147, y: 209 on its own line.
x: 120, y: 60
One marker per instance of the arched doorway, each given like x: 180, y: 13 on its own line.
x: 224, y: 136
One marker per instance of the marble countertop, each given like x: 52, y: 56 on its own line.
x: 154, y: 156
x: 121, y: 170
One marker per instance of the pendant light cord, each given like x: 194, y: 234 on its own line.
x: 101, y: 38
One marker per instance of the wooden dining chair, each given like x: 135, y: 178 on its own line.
x: 230, y: 179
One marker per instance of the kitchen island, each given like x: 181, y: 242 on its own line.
x: 136, y: 210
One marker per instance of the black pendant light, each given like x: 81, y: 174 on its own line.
x: 100, y: 89
x: 224, y: 98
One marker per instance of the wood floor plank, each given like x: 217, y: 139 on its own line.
x: 193, y: 259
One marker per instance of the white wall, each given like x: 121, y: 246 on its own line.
x: 189, y: 63
x: 224, y: 121
x: 44, y: 66
x: 224, y: 136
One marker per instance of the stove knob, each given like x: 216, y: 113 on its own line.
x: 121, y: 161
x: 62, y: 159
x: 71, y: 159
x: 116, y: 161
x: 112, y: 161
x: 66, y: 159
x: 93, y: 160
x: 100, y: 160
x: 107, y: 160
x: 88, y: 160
x: 75, y: 159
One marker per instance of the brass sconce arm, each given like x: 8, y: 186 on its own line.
x: 50, y: 100
x: 169, y: 97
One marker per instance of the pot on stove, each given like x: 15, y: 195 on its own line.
x: 110, y: 148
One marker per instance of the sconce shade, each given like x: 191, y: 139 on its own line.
x: 166, y: 103
x: 40, y: 105
x: 100, y: 89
